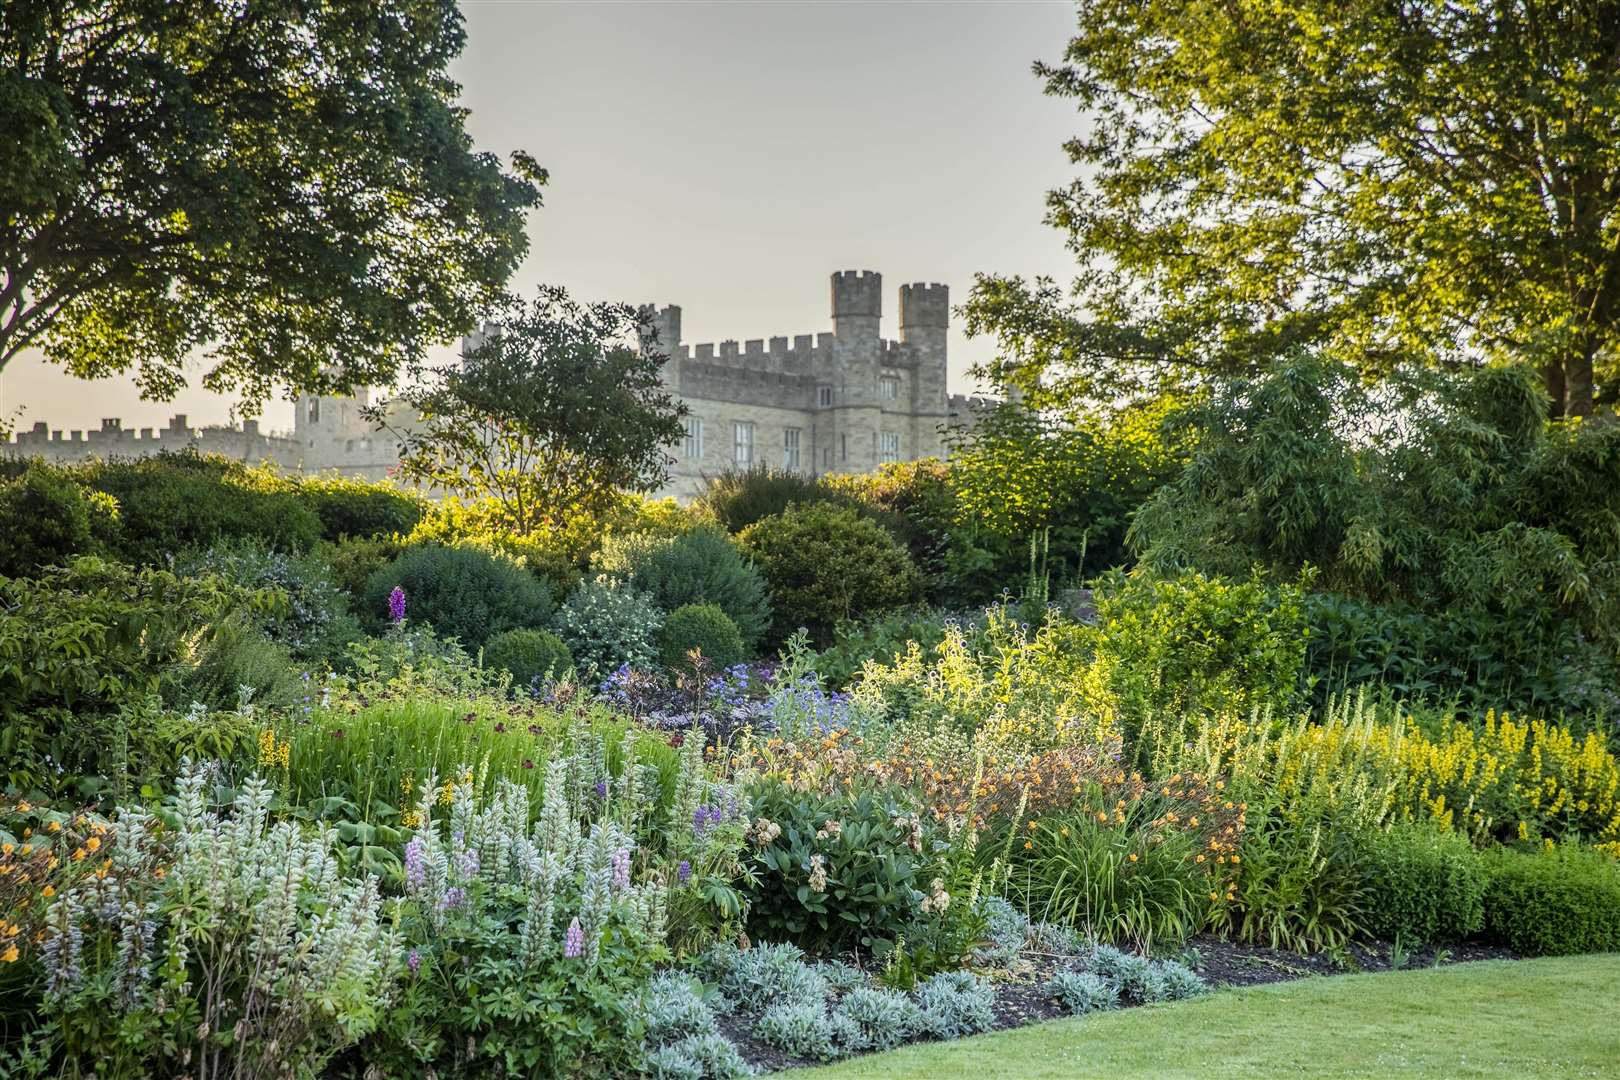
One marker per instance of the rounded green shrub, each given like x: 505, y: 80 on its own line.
x: 1557, y: 902
x: 349, y: 507
x: 703, y: 627
x: 606, y: 625
x: 44, y: 518
x: 1422, y: 884
x: 528, y: 655
x: 699, y: 566
x: 824, y: 565
x: 462, y: 592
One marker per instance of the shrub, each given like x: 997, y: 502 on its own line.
x: 45, y: 519
x: 1180, y: 981
x: 698, y: 566
x: 351, y: 562
x: 954, y: 1004
x: 1555, y: 902
x: 771, y: 974
x: 826, y: 892
x: 310, y: 616
x: 234, y: 662
x: 841, y: 977
x: 358, y: 508
x: 1422, y: 885
x: 672, y: 1008
x: 605, y: 626
x: 528, y: 656
x: 1082, y: 992
x: 698, y: 1057
x: 703, y: 627
x: 825, y: 565
x: 801, y: 1029
x: 1137, y: 978
x: 877, y: 1019
x: 176, y: 502
x: 461, y: 592
x: 737, y: 498
x: 883, y: 640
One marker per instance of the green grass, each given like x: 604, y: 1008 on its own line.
x: 1524, y: 1019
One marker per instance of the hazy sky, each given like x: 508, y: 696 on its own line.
x: 728, y: 157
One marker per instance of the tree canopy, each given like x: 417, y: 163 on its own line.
x: 287, y: 186
x: 1402, y: 183
x: 555, y: 410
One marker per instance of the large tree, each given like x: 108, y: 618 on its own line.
x: 1392, y: 182
x: 285, y: 185
x: 556, y: 409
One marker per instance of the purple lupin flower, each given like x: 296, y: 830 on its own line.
x: 414, y: 961
x: 621, y: 868
x: 454, y: 897
x: 574, y: 940
x: 683, y: 872
x: 415, y: 868
x: 396, y: 606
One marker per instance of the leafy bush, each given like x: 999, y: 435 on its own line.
x: 236, y: 661
x: 1422, y: 885
x: 828, y: 889
x: 954, y: 1004
x: 176, y: 502
x: 351, y: 562
x: 528, y: 655
x: 1181, y: 981
x: 737, y: 498
x: 877, y: 1019
x: 1082, y: 992
x: 883, y: 639
x: 672, y: 1007
x: 606, y: 626
x: 359, y: 508
x: 310, y: 616
x: 461, y: 592
x: 698, y: 1057
x: 697, y: 566
x: 802, y: 1029
x: 83, y: 646
x: 753, y: 980
x: 1555, y: 902
x: 45, y: 518
x: 825, y: 565
x: 1138, y: 979
x: 703, y: 627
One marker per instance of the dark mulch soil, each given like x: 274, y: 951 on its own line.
x: 1020, y: 1000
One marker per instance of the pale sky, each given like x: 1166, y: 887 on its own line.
x: 728, y: 157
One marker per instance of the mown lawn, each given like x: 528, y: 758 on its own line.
x: 1534, y: 1018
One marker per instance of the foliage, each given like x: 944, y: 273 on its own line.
x: 234, y: 666
x: 955, y: 1004
x: 1189, y: 645
x: 824, y: 565
x: 553, y: 411
x: 350, y: 508
x: 606, y: 625
x: 463, y: 592
x: 351, y: 562
x: 1396, y: 188
x: 695, y: 566
x: 82, y: 650
x: 737, y: 498
x: 1422, y: 886
x: 834, y: 872
x: 1553, y: 902
x: 704, y: 628
x: 175, y: 502
x: 344, y: 223
x: 801, y: 1029
x: 46, y: 519
x: 1447, y: 496
x: 697, y: 1057
x: 225, y: 939
x: 310, y: 617
x: 1082, y: 992
x: 757, y: 979
x: 883, y: 640
x: 877, y: 1019
x: 529, y: 656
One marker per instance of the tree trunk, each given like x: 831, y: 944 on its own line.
x: 1578, y: 382
x: 1552, y: 375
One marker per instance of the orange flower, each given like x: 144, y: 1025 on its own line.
x: 94, y: 843
x: 48, y: 891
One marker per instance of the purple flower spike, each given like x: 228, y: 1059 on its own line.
x: 574, y: 940
x: 683, y: 872
x: 415, y: 961
x: 621, y: 868
x: 396, y: 605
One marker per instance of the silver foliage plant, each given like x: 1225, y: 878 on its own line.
x: 240, y: 934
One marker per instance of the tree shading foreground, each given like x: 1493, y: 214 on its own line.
x: 556, y: 410
x: 289, y: 186
x: 1399, y: 183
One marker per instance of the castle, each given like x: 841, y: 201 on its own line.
x: 839, y: 401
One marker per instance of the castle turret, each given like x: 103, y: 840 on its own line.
x: 849, y: 437
x: 925, y: 322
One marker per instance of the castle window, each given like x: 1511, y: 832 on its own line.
x: 314, y: 410
x: 889, y: 446
x: 692, y: 448
x: 889, y: 388
x: 790, y: 448
x: 742, y: 443
x: 824, y: 396
x: 843, y: 448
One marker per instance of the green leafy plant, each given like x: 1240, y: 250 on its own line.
x: 1555, y: 902
x: 354, y: 509
x: 1422, y: 885
x: 704, y: 628
x: 528, y: 656
x: 606, y: 625
x: 1082, y: 992
x: 462, y: 592
x: 694, y: 566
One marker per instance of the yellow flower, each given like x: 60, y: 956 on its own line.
x: 48, y: 891
x: 1133, y: 856
x: 94, y: 843
x: 7, y: 849
x: 9, y: 956
x: 23, y: 807
x: 78, y: 856
x: 1028, y: 844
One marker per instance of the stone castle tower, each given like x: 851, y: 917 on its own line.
x: 844, y: 401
